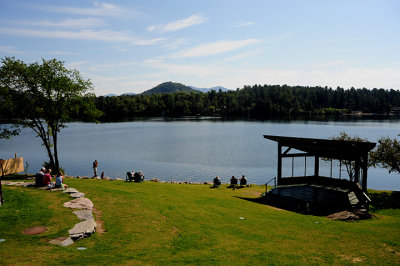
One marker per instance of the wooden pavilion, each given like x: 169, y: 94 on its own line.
x: 322, y: 192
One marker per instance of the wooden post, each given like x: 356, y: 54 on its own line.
x: 364, y: 172
x: 316, y: 166
x: 1, y: 188
x: 279, y: 163
x: 357, y: 171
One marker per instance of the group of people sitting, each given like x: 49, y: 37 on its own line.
x: 134, y: 176
x: 234, y: 181
x: 43, y: 178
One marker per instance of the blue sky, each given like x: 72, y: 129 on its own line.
x: 132, y: 46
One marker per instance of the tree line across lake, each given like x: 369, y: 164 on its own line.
x: 253, y: 101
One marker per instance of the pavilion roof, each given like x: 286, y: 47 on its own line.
x: 335, y: 149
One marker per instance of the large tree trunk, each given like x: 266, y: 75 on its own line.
x: 56, y: 163
x: 1, y: 188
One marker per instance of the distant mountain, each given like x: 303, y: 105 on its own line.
x: 168, y: 87
x: 110, y: 95
x: 205, y: 90
x: 129, y: 93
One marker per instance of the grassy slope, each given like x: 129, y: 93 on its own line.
x: 155, y: 223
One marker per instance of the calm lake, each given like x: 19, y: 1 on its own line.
x: 195, y: 150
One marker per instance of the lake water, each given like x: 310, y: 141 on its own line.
x: 195, y: 150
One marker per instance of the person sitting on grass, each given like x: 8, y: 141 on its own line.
x: 60, y: 181
x: 39, y: 177
x: 47, y: 178
x: 138, y: 177
x: 141, y: 176
x: 217, y: 181
x: 129, y: 176
x: 234, y: 181
x: 243, y: 181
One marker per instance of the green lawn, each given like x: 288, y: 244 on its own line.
x: 159, y: 223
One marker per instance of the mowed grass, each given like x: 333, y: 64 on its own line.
x: 159, y: 223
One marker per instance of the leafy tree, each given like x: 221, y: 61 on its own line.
x: 44, y: 97
x: 387, y: 154
x: 350, y: 165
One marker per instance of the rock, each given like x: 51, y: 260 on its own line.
x: 82, y: 229
x: 79, y: 203
x: 71, y: 190
x: 344, y: 215
x: 37, y: 230
x: 84, y: 214
x: 10, y: 183
x: 118, y: 179
x: 97, y: 177
x: 62, y: 241
x: 85, y: 177
x: 77, y: 195
x: 56, y: 189
x: 208, y: 183
x: 106, y: 178
x: 155, y: 180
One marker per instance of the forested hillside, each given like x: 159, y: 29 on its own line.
x: 168, y: 87
x: 255, y: 101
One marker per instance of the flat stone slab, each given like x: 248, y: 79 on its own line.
x: 62, y: 241
x: 56, y: 189
x: 84, y: 214
x: 43, y: 188
x: 11, y: 183
x: 83, y: 229
x: 36, y: 230
x: 77, y: 195
x: 71, y: 190
x: 79, y: 203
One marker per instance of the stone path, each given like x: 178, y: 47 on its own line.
x: 83, y: 229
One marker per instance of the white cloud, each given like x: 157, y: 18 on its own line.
x: 9, y: 50
x: 67, y: 23
x: 98, y: 9
x: 75, y: 65
x: 176, y: 44
x: 88, y: 35
x: 179, y: 24
x: 214, y: 48
x: 244, y: 55
x: 338, y: 62
x: 244, y: 24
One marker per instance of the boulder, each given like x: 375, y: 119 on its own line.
x: 62, y: 241
x: 79, y: 203
x: 71, y: 190
x: 155, y: 180
x: 77, y: 195
x: 118, y: 179
x: 83, y: 229
x: 84, y: 214
x: 344, y: 215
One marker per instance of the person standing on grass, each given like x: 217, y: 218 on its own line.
x: 95, y: 165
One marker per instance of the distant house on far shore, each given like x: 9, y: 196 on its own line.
x: 395, y: 111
